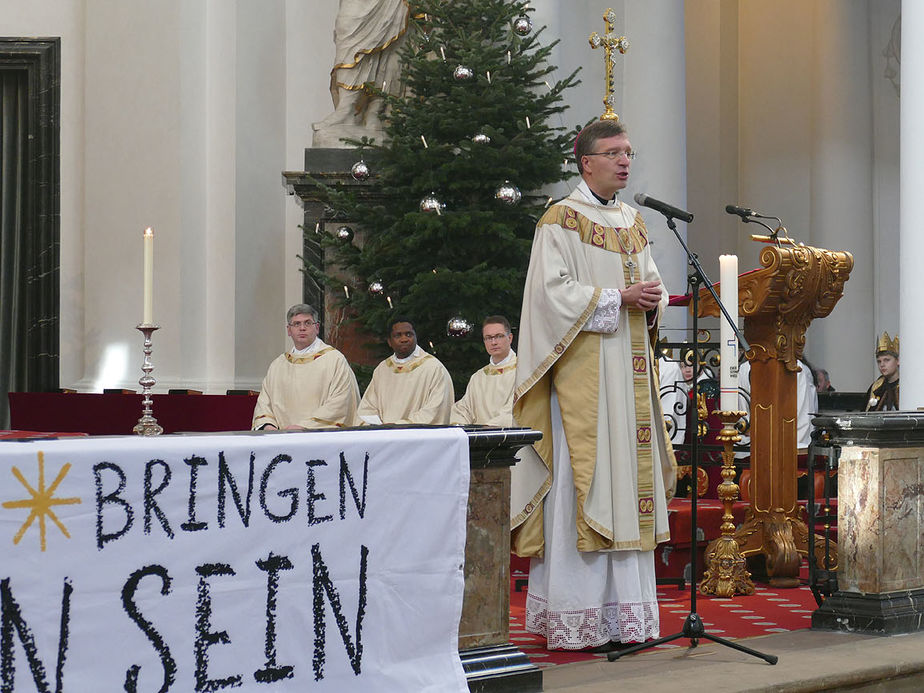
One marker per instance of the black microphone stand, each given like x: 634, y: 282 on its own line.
x: 693, y: 626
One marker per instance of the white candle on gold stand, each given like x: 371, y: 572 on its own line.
x: 728, y: 349
x: 148, y: 276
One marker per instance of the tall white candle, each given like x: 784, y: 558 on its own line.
x: 728, y: 350
x: 148, y: 276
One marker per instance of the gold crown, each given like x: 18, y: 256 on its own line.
x: 886, y: 343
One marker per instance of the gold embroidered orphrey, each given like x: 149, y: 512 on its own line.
x: 611, y: 43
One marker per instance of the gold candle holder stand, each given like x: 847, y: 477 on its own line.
x: 726, y: 572
x: 147, y: 425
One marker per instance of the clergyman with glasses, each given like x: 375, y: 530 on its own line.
x: 589, y: 501
x: 488, y: 398
x: 309, y: 386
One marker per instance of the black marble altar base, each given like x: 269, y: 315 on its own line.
x: 886, y: 429
x: 891, y: 613
x: 500, y: 669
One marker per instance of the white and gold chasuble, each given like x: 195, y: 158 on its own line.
x: 312, y: 390
x: 622, y: 463
x: 488, y: 398
x: 417, y: 390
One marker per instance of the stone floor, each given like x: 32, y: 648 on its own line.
x: 808, y: 661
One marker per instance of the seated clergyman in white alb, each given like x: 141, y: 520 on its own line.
x: 488, y: 399
x: 311, y: 386
x: 410, y: 386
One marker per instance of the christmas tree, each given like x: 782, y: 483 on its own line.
x: 471, y: 141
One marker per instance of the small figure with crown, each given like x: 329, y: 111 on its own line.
x: 883, y: 394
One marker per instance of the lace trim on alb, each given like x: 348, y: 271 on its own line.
x: 606, y: 315
x: 575, y: 630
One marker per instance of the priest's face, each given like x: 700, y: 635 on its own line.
x: 497, y: 341
x: 606, y: 169
x: 403, y: 339
x: 303, y: 329
x: 888, y: 366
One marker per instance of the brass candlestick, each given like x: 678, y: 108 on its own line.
x: 147, y: 425
x: 726, y: 574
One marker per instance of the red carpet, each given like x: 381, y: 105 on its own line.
x: 769, y: 610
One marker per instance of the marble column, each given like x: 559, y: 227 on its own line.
x: 880, y: 482
x: 491, y: 663
x: 911, y: 240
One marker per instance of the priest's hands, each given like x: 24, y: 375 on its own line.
x: 643, y: 295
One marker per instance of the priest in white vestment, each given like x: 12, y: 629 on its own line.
x: 410, y: 386
x: 589, y: 501
x: 310, y: 386
x: 488, y: 398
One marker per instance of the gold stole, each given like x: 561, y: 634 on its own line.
x: 641, y: 380
x: 308, y: 358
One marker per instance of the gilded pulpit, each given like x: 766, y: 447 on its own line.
x: 796, y: 285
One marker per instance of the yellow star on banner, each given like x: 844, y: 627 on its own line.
x: 41, y: 502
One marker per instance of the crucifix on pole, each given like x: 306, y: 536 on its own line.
x: 611, y: 43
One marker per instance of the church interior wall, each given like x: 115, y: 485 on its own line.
x: 885, y: 72
x: 183, y: 115
x: 260, y: 196
x: 841, y: 188
x: 788, y: 114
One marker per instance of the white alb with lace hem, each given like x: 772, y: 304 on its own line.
x: 578, y: 600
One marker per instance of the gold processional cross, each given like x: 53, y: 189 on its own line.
x: 611, y: 43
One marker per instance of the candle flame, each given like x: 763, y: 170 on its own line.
x: 149, y: 231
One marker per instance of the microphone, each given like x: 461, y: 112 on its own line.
x: 665, y: 209
x: 742, y: 212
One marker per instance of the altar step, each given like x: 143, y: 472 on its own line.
x: 808, y: 661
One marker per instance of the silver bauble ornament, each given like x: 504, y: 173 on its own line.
x: 522, y: 25
x: 360, y: 170
x: 345, y: 234
x: 376, y: 288
x: 463, y: 73
x: 481, y: 138
x: 458, y: 327
x: 508, y: 193
x: 431, y: 203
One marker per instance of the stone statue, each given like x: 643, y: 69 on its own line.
x: 367, y: 34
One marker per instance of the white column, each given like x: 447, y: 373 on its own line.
x: 654, y: 109
x: 841, y: 203
x: 219, y: 301
x: 911, y: 281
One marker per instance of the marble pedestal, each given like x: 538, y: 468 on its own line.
x: 490, y: 662
x: 880, y: 520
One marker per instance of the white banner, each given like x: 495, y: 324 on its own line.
x: 324, y: 561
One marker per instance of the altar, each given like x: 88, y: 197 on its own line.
x: 369, y: 559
